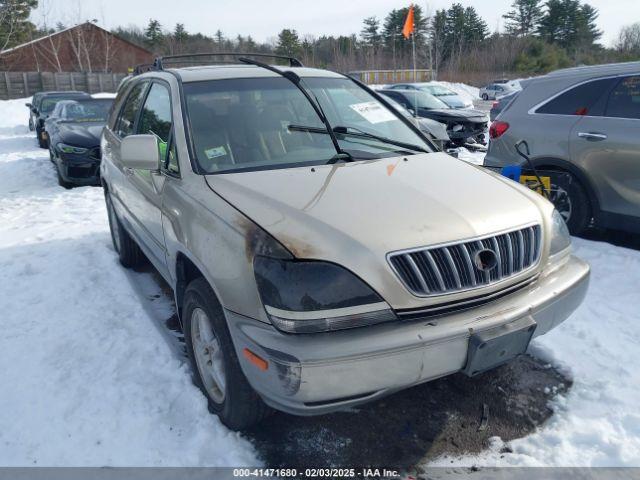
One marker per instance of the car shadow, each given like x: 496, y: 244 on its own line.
x: 614, y: 237
x: 447, y: 417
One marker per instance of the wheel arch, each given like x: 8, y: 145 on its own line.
x: 186, y: 270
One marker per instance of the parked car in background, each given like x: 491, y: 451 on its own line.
x: 448, y: 96
x: 463, y: 125
x: 311, y: 234
x: 33, y: 106
x: 500, y: 103
x: 435, y: 131
x: 74, y: 130
x: 46, y: 103
x: 583, y: 122
x: 495, y: 90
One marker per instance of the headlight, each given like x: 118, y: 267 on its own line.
x: 64, y: 148
x: 560, y: 238
x: 313, y: 296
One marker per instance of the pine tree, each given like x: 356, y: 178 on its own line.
x: 569, y: 24
x: 524, y: 17
x: 15, y: 26
x: 288, y: 43
x: 180, y: 33
x: 153, y: 34
x: 370, y: 33
x: 219, y: 36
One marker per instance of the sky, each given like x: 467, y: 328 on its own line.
x: 263, y: 19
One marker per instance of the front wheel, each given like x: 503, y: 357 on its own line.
x: 42, y: 142
x: 128, y: 251
x: 216, y: 368
x: 485, y: 97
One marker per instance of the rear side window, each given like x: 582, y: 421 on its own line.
x: 624, y: 101
x: 127, y: 119
x: 580, y: 100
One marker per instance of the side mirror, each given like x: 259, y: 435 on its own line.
x: 141, y: 152
x: 30, y: 106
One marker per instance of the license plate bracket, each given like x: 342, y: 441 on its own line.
x: 493, y: 347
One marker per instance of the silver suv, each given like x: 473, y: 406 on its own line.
x: 583, y: 123
x: 321, y: 252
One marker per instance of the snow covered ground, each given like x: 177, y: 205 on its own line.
x: 88, y: 378
x: 597, y: 423
x: 86, y: 375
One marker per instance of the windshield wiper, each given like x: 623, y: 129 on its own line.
x: 355, y: 131
x: 317, y: 107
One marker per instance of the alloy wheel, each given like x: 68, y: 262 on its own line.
x: 562, y: 201
x: 208, y: 355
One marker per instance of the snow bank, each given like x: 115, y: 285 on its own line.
x: 597, y: 423
x: 87, y: 375
x: 465, y: 91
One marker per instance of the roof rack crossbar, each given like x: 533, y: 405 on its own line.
x: 159, y: 62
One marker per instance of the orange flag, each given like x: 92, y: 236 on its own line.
x: 407, y: 30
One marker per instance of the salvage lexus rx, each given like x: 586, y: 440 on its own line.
x: 322, y: 253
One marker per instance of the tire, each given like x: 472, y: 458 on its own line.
x: 61, y: 181
x: 485, y: 97
x: 571, y: 200
x: 215, y: 364
x: 128, y: 251
x: 41, y: 142
x: 30, y: 124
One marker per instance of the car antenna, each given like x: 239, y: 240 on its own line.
x: 297, y: 81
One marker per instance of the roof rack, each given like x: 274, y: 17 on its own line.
x: 159, y: 63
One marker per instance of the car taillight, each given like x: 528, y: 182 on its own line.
x: 495, y: 104
x: 497, y: 129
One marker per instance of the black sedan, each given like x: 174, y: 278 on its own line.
x: 463, y: 125
x: 42, y: 106
x: 74, y: 131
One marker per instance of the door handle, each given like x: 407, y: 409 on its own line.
x: 593, y: 137
x: 127, y: 171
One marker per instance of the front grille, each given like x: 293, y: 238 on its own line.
x: 453, y: 267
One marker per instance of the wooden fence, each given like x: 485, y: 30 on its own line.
x: 392, y: 76
x: 25, y: 84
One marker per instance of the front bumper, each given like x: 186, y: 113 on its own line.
x: 319, y: 373
x: 79, y: 169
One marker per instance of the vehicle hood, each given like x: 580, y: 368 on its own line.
x: 448, y: 114
x: 435, y: 128
x: 80, y: 134
x: 354, y: 213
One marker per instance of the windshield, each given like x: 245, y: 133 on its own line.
x: 437, y: 90
x: 48, y: 104
x: 246, y: 124
x: 420, y: 99
x: 87, y: 111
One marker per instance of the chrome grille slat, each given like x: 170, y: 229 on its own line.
x: 452, y: 268
x: 520, y: 249
x: 510, y: 253
x: 435, y: 269
x: 469, y: 263
x: 417, y: 273
x: 496, y: 248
